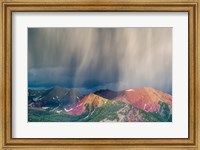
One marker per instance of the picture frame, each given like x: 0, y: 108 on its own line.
x: 10, y: 6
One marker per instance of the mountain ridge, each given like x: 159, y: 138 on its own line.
x: 136, y: 104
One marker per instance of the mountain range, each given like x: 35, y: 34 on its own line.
x: 69, y: 105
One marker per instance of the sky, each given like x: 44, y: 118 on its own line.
x: 90, y: 59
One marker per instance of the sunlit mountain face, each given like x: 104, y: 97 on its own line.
x: 100, y: 74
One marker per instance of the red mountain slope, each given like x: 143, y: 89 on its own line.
x: 79, y: 107
x: 144, y: 98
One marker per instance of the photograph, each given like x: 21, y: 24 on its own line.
x: 100, y: 74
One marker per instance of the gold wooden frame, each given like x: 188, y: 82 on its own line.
x: 9, y: 6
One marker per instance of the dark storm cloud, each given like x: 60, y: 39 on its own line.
x: 94, y: 58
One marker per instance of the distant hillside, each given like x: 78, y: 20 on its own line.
x: 54, y: 97
x: 108, y: 94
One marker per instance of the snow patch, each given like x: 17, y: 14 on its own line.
x: 59, y: 111
x: 145, y: 106
x: 79, y: 105
x: 37, y: 99
x: 129, y: 90
x: 45, y: 107
x: 67, y: 110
